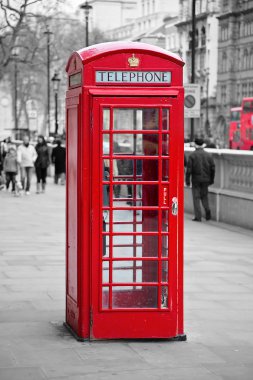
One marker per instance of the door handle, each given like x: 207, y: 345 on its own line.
x: 174, y: 206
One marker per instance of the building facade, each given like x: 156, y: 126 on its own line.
x: 148, y: 24
x: 107, y: 14
x: 206, y: 59
x: 235, y: 60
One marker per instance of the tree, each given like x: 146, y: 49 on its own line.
x: 16, y: 34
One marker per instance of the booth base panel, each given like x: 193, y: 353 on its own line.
x: 178, y: 338
x: 75, y: 335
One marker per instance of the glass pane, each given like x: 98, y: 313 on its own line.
x: 164, y: 271
x: 150, y: 119
x: 139, y: 144
x: 105, y: 297
x: 106, y: 170
x: 135, y: 195
x: 135, y: 271
x: 105, y: 271
x: 135, y: 170
x: 144, y: 221
x: 127, y: 216
x: 134, y: 297
x: 164, y: 297
x: 165, y: 145
x: 106, y: 242
x: 165, y: 221
x: 106, y: 220
x: 165, y: 245
x: 127, y: 271
x: 135, y: 246
x: 106, y: 118
x: 106, y: 144
x: 135, y: 119
x: 165, y: 170
x: 106, y: 195
x: 165, y: 119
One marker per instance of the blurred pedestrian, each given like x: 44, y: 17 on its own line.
x: 201, y: 171
x: 41, y: 164
x: 2, y: 181
x: 59, y: 161
x: 26, y: 155
x: 11, y: 168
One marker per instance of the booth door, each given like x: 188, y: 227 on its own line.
x: 134, y: 218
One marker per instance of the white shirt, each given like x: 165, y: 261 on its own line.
x: 26, y: 155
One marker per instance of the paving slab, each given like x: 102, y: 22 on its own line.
x: 34, y: 345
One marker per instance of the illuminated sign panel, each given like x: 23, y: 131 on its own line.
x: 156, y: 77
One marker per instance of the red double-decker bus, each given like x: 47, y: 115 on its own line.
x: 247, y: 124
x: 235, y: 128
x: 241, y: 126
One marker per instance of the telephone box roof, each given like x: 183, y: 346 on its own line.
x: 96, y: 51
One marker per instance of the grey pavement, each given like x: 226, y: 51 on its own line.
x: 34, y: 345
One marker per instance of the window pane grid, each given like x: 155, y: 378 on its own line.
x: 160, y: 286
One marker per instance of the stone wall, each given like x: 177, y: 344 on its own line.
x: 231, y: 195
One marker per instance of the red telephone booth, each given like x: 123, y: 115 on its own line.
x: 125, y: 192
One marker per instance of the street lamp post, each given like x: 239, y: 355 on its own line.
x: 56, y: 83
x: 48, y: 33
x: 87, y: 8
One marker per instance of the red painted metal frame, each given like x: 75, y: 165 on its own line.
x: 84, y: 314
x: 159, y: 322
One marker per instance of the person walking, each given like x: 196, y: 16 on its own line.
x: 2, y: 181
x: 11, y: 168
x: 26, y: 155
x: 59, y: 161
x: 201, y: 172
x: 41, y: 164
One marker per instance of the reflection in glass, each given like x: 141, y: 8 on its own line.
x: 105, y: 272
x: 127, y: 271
x: 164, y: 271
x: 135, y: 119
x: 105, y: 297
x: 165, y: 221
x: 106, y: 242
x: 106, y: 144
x: 138, y: 144
x: 165, y: 170
x: 165, y: 119
x: 165, y: 245
x: 164, y: 297
x: 106, y: 195
x: 126, y: 251
x: 165, y: 145
x: 141, y: 297
x: 106, y: 118
x: 135, y: 246
x: 135, y: 271
x: 127, y: 216
x: 150, y: 119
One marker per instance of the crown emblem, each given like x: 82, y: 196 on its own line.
x: 133, y: 61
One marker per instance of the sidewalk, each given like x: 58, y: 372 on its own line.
x: 35, y: 346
